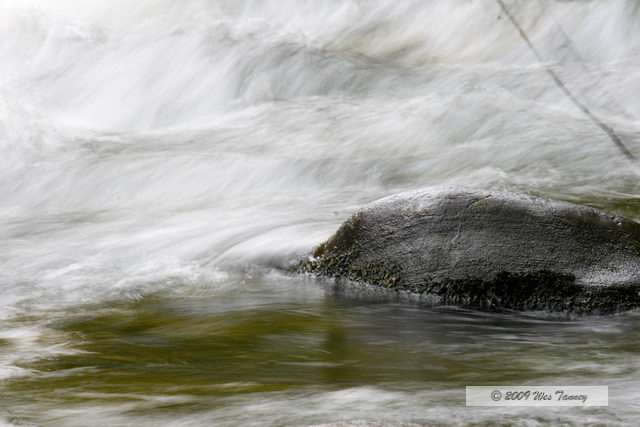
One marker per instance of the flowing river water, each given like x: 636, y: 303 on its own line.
x: 163, y: 161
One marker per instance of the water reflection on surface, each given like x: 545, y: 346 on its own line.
x: 198, y: 357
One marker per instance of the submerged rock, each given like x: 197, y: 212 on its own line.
x: 489, y: 249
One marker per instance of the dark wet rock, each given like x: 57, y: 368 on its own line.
x: 489, y: 249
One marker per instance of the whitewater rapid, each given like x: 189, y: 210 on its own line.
x: 191, y: 149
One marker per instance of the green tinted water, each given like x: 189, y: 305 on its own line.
x: 286, y: 353
x: 158, y: 158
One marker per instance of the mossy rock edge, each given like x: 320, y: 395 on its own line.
x: 488, y: 250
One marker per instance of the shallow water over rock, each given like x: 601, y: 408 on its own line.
x: 162, y: 161
x: 488, y: 249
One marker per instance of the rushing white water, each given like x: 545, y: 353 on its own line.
x: 189, y: 147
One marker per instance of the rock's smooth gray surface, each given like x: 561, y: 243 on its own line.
x: 489, y: 248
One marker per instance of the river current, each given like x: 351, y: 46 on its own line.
x: 163, y: 161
